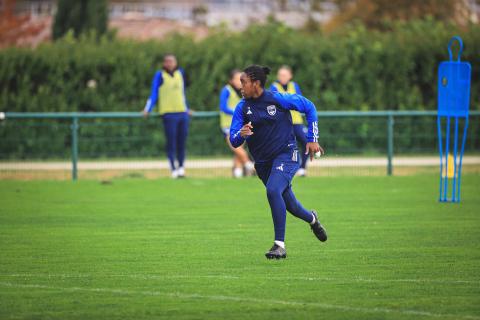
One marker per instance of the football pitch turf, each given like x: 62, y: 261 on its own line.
x: 194, y: 249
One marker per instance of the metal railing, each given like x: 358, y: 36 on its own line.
x: 76, y: 117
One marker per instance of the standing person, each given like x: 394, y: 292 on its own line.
x: 230, y: 96
x: 263, y: 120
x: 168, y: 88
x: 284, y: 84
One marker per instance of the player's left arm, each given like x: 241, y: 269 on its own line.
x: 301, y: 104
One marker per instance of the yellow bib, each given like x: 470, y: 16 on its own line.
x: 233, y: 100
x: 296, y: 116
x: 171, y: 93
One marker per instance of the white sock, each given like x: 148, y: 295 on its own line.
x: 280, y: 244
x: 301, y: 172
x: 313, y: 220
x: 181, y: 171
x: 238, y: 172
x: 249, y: 166
x: 174, y: 174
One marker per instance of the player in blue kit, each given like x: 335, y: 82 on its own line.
x: 168, y: 89
x: 262, y: 119
x: 229, y: 98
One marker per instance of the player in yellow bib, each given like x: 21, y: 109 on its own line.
x: 230, y: 96
x: 168, y: 89
x: 284, y: 84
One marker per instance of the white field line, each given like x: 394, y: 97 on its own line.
x: 223, y: 277
x: 224, y: 163
x: 186, y: 296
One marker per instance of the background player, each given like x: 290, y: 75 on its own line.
x: 230, y: 96
x: 263, y: 119
x: 284, y: 84
x: 168, y: 88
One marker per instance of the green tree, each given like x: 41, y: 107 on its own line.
x: 80, y: 17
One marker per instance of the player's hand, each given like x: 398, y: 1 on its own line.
x: 190, y: 112
x: 145, y: 114
x: 312, y: 148
x: 246, y: 130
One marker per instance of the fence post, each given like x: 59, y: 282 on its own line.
x: 390, y: 123
x: 74, y: 147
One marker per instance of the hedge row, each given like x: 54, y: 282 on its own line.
x: 353, y: 69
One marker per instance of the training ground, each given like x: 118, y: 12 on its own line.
x: 194, y: 249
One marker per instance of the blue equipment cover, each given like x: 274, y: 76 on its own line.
x: 454, y: 85
x: 453, y: 103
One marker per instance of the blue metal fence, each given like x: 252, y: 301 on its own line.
x: 343, y: 132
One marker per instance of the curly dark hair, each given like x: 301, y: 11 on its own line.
x: 256, y: 72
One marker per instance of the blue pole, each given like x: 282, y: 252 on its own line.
x: 461, y: 158
x: 440, y: 150
x: 455, y: 146
x: 447, y: 142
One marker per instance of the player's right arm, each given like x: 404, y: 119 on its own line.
x: 224, y: 94
x: 239, y: 130
x: 297, y: 88
x: 152, y: 100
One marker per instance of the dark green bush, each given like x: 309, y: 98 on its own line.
x: 352, y: 69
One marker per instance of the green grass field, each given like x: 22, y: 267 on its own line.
x: 194, y: 249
